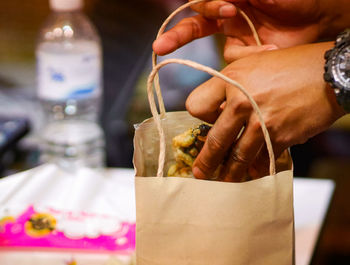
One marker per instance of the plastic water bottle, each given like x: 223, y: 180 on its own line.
x: 69, y: 78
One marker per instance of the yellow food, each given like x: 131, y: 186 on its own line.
x: 187, y: 146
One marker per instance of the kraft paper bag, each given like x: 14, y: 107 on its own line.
x: 191, y: 221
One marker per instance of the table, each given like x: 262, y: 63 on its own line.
x: 112, y: 190
x: 311, y: 201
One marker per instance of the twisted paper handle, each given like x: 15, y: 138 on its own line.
x: 153, y: 78
x: 161, y: 31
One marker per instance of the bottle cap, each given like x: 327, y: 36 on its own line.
x: 66, y: 5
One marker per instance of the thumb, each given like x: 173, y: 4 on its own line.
x: 233, y: 52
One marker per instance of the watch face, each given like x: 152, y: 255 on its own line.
x: 341, y: 67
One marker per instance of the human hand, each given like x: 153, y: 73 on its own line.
x: 279, y: 24
x: 296, y: 104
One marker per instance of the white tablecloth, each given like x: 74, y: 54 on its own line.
x: 111, y: 191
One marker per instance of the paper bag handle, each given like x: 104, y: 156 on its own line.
x: 153, y: 77
x: 161, y: 31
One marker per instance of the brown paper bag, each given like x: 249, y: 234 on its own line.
x: 190, y: 221
x: 201, y: 222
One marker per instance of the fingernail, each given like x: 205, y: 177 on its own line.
x: 198, y: 173
x: 222, y: 106
x: 271, y: 47
x: 227, y: 11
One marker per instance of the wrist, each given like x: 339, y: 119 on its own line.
x: 329, y: 104
x: 337, y: 110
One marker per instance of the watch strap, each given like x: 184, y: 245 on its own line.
x: 343, y: 99
x: 342, y: 95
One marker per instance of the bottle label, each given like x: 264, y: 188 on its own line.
x: 68, y: 76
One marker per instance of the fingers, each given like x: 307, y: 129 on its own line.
x: 235, y: 49
x: 219, y: 140
x: 243, y: 152
x: 187, y: 30
x: 261, y: 164
x: 216, y: 9
x: 208, y: 102
x: 204, y: 102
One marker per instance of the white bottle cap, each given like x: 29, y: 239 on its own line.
x: 66, y: 5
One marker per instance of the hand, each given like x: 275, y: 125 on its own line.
x: 279, y: 24
x: 296, y: 104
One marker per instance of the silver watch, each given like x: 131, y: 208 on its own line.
x: 337, y: 69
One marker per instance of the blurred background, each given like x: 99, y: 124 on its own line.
x: 127, y: 29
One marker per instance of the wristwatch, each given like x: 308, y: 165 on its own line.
x: 337, y: 69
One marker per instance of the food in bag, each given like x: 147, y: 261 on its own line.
x: 187, y: 146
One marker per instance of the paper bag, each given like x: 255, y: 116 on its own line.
x: 190, y: 221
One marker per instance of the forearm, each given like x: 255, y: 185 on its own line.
x: 335, y: 17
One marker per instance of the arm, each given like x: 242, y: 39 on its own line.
x: 280, y: 24
x: 288, y: 86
